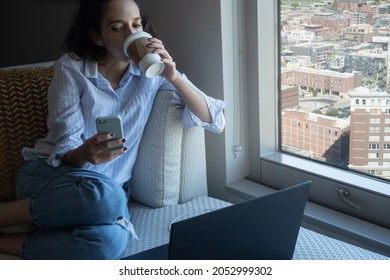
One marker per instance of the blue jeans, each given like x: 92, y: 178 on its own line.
x: 80, y: 214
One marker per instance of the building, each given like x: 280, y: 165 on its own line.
x: 289, y: 97
x: 370, y: 132
x: 352, y: 5
x: 370, y: 8
x: 384, y: 31
x: 319, y: 137
x: 300, y: 35
x: 293, y: 61
x: 371, y: 63
x: 359, y: 17
x: 334, y: 22
x: 382, y: 21
x: 384, y: 9
x: 318, y: 53
x: 324, y: 81
x: 321, y: 32
x: 337, y: 62
x: 331, y: 25
x: 358, y: 33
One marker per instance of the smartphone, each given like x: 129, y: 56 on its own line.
x: 110, y: 124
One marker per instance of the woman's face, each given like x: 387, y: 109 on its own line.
x: 121, y: 19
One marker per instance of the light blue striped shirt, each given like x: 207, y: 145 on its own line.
x: 78, y: 94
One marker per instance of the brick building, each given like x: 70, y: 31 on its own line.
x: 370, y: 132
x: 333, y: 22
x: 352, y: 5
x: 289, y: 97
x: 325, y: 81
x: 320, y: 137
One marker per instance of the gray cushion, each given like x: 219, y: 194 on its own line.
x: 156, y: 174
x: 193, y: 174
x: 314, y: 246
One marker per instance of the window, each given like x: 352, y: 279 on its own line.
x: 374, y: 129
x: 375, y: 111
x: 266, y: 51
x: 373, y: 155
x: 358, y: 86
x: 373, y: 146
x: 375, y: 120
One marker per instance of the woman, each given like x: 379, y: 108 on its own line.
x: 72, y: 185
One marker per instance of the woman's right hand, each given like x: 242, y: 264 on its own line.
x: 98, y: 149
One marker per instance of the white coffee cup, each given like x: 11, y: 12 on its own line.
x: 136, y: 47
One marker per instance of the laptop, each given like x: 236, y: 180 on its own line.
x: 263, y: 228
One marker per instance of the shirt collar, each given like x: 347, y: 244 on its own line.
x: 134, y: 69
x: 91, y: 70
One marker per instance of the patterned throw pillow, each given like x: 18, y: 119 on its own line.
x: 23, y: 113
x: 171, y: 164
x: 156, y: 175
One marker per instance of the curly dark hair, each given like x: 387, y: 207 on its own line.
x: 79, y: 43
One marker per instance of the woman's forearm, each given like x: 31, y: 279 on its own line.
x: 194, y: 100
x: 73, y: 158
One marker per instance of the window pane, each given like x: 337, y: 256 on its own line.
x: 335, y: 84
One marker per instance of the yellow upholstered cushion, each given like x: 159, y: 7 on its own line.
x: 23, y: 113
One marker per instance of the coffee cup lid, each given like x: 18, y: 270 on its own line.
x: 132, y: 37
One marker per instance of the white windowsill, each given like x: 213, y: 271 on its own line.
x: 326, y: 221
x: 326, y: 171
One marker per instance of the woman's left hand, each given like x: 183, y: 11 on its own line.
x: 170, y: 66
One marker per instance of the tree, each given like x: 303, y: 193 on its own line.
x: 333, y: 112
x: 317, y: 111
x: 335, y: 4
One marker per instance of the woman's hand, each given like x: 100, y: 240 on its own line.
x: 98, y: 149
x: 170, y: 66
